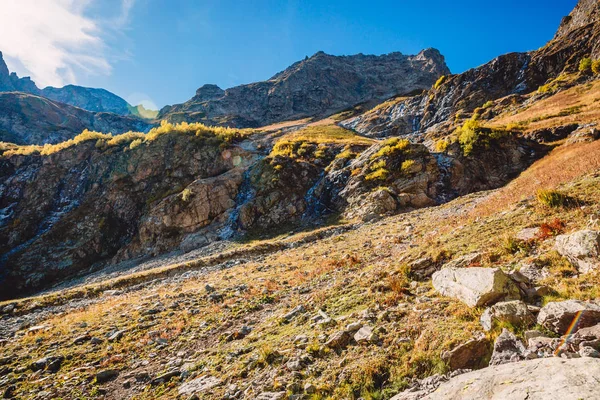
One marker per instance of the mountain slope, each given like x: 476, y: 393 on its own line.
x: 317, y: 86
x: 455, y: 97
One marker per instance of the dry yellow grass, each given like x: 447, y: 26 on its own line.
x: 561, y: 166
x: 579, y: 104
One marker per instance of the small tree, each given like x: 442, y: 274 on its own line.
x: 596, y: 67
x: 585, y: 65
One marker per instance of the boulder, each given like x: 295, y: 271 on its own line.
x: 338, y: 340
x: 543, y: 379
x: 581, y: 248
x: 507, y: 349
x: 558, y: 316
x: 423, y: 268
x: 366, y: 335
x: 475, y: 286
x: 198, y: 385
x: 513, y: 312
x: 468, y: 355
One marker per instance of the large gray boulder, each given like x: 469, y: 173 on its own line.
x: 581, y: 248
x: 558, y: 316
x: 513, y: 312
x: 475, y: 286
x: 543, y: 379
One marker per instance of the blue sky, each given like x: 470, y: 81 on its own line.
x: 161, y: 51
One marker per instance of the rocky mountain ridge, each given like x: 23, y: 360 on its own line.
x: 455, y: 97
x: 94, y: 100
x: 315, y: 87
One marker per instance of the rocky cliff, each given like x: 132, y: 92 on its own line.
x: 64, y: 212
x: 317, y: 86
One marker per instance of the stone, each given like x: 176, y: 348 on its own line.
x: 468, y: 355
x: 198, y: 385
x: 81, y: 339
x: 166, y: 377
x: 475, y: 286
x: 558, y: 316
x: 533, y: 272
x: 542, y: 379
x: 587, y: 351
x: 309, y: 388
x: 271, y: 396
x: 51, y: 363
x: 507, y: 349
x: 115, y: 336
x: 366, y: 335
x: 354, y: 326
x: 423, y: 268
x: 581, y: 248
x: 106, y: 375
x: 527, y: 234
x: 338, y: 340
x: 294, y: 313
x: 294, y: 364
x: 513, y: 312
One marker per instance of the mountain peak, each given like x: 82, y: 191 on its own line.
x: 586, y: 12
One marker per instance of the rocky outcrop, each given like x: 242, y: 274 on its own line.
x: 76, y: 209
x: 558, y: 316
x: 31, y: 119
x: 475, y: 286
x: 317, y: 86
x: 581, y: 248
x: 543, y: 379
x: 508, y: 349
x: 472, y: 354
x: 514, y: 312
x: 510, y: 74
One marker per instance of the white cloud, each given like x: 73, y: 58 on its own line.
x: 53, y: 41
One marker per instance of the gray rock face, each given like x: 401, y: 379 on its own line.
x: 558, y: 316
x: 514, y: 312
x: 581, y: 248
x: 198, y: 385
x: 469, y: 355
x: 507, y: 349
x: 543, y: 379
x: 320, y: 85
x: 475, y: 286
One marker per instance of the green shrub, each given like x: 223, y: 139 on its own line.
x: 552, y: 198
x: 472, y: 136
x: 440, y: 81
x: 585, y: 65
x: 186, y: 194
x: 596, y: 67
x: 407, y: 166
x: 380, y: 174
